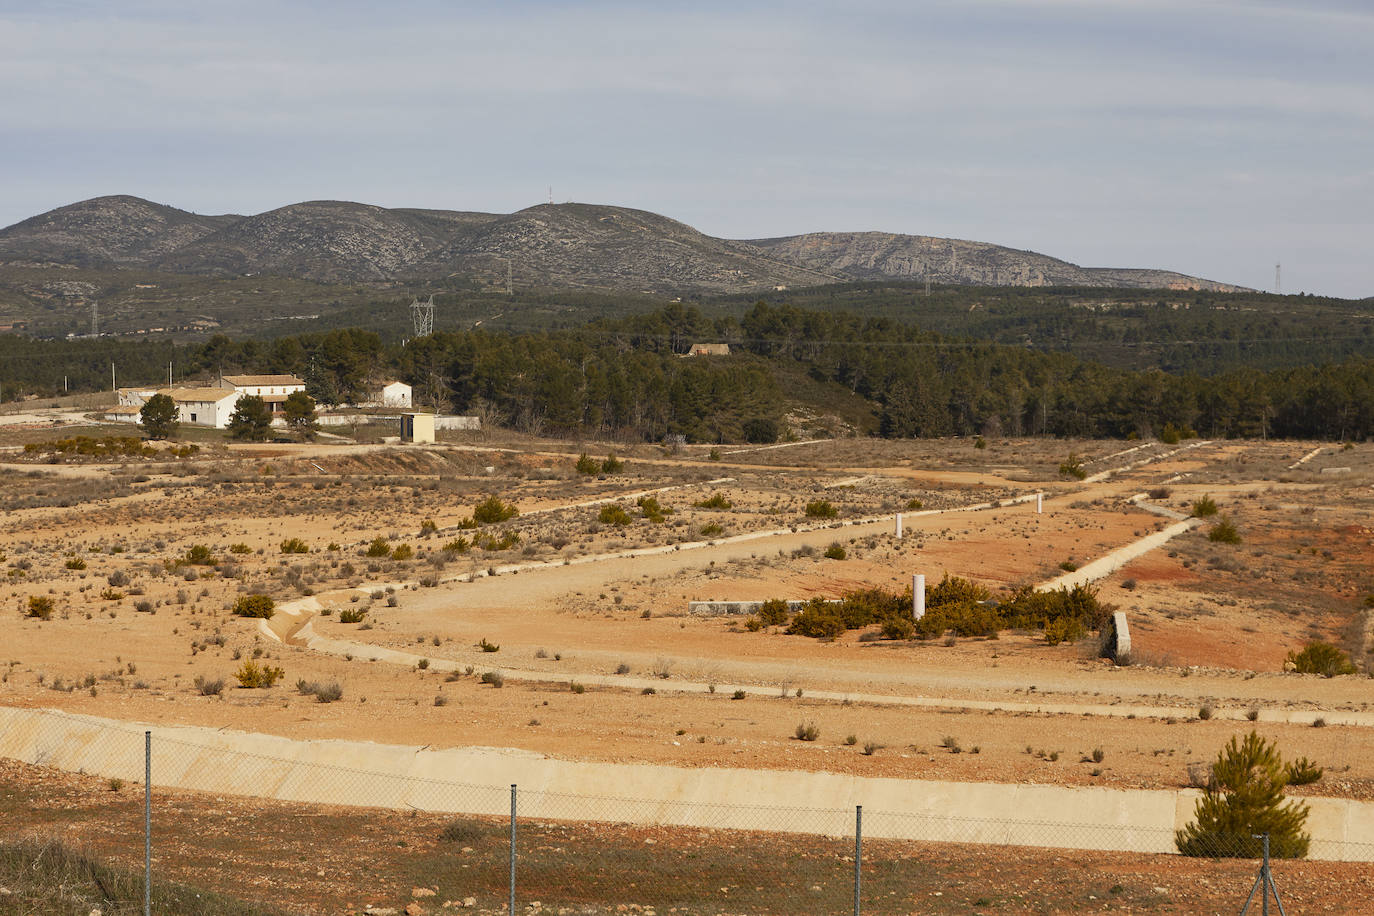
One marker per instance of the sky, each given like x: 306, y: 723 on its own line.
x: 1212, y: 137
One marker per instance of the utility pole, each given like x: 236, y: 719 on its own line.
x: 1278, y: 287
x: 112, y: 379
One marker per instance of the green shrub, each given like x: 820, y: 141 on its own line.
x: 352, y: 615
x: 403, y: 552
x: 966, y: 618
x: 587, y: 465
x: 711, y: 529
x: 613, y: 514
x: 954, y: 590
x: 76, y: 563
x: 494, y: 678
x: 774, y: 612
x: 818, y: 619
x: 506, y: 541
x: 1204, y: 507
x: 713, y: 455
x: 898, y: 628
x: 458, y: 545
x: 650, y: 508
x: 486, y: 646
x: 821, y: 508
x: 240, y: 548
x: 380, y: 547
x: 714, y: 501
x: 260, y: 606
x: 1073, y: 467
x: 1243, y: 801
x: 612, y: 464
x: 1303, y: 772
x: 428, y: 527
x: 1224, y: 532
x: 40, y: 607
x: 251, y: 674
x: 492, y: 510
x: 199, y: 555
x: 1064, y: 629
x: 1319, y: 657
x: 807, y: 731
x: 835, y: 551
x: 293, y: 545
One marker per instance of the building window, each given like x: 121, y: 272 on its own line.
x: 193, y: 418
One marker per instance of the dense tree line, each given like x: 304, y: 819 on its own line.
x: 627, y: 377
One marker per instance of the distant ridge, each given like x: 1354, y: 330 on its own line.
x: 550, y: 245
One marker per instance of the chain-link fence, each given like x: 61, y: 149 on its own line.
x: 216, y: 826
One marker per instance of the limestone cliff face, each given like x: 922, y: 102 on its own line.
x: 563, y: 245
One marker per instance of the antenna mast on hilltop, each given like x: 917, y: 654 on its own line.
x: 423, y: 315
x: 95, y: 319
x: 1278, y: 288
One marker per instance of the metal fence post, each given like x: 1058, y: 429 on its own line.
x: 512, y: 850
x: 858, y: 853
x: 148, y: 823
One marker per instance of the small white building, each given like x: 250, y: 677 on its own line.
x: 204, y: 406
x: 135, y: 397
x: 709, y: 349
x: 417, y: 427
x: 265, y: 385
x: 395, y: 394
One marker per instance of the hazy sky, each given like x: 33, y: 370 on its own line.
x: 1214, y: 138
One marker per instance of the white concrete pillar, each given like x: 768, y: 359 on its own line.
x: 1039, y: 503
x: 918, y: 596
x: 899, y: 524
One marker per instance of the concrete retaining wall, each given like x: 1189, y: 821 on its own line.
x: 477, y: 780
x: 348, y: 419
x: 734, y: 608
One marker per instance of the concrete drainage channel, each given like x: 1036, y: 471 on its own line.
x: 392, y: 776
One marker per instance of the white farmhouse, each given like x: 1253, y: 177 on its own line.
x: 135, y: 397
x: 204, y: 406
x: 396, y: 394
x: 265, y: 385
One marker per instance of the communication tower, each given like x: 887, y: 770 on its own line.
x: 1278, y: 287
x: 95, y: 319
x: 423, y: 315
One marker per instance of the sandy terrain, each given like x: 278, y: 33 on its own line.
x: 1213, y: 623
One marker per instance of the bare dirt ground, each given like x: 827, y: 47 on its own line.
x: 321, y: 860
x: 135, y: 624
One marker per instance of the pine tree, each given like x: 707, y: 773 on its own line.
x: 158, y: 417
x: 1243, y: 802
x: 251, y: 420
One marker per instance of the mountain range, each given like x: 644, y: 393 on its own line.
x: 549, y: 245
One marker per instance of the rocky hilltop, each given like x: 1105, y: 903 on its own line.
x: 883, y: 255
x: 551, y: 245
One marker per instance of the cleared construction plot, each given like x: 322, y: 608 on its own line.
x: 392, y: 587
